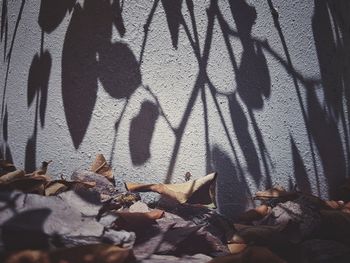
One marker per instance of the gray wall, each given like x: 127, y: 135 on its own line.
x: 165, y: 87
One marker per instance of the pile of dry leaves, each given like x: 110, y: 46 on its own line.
x: 86, y: 219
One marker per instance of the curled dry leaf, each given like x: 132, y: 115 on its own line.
x: 41, y: 172
x: 335, y: 225
x: 58, y: 186
x: 276, y: 192
x: 236, y: 248
x: 27, y: 184
x: 200, y: 191
x: 254, y: 214
x: 102, y: 253
x: 101, y: 167
x: 346, y: 208
x: 334, y: 204
x: 136, y: 221
x: 11, y: 176
x: 264, y: 235
x: 29, y: 256
x: 252, y: 254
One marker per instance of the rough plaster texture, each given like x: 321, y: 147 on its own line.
x: 165, y: 87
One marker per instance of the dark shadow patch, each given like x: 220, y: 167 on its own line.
x: 118, y: 70
x: 252, y: 76
x: 172, y: 9
x: 245, y: 141
x: 5, y: 151
x: 52, y: 13
x: 141, y: 132
x: 4, y: 25
x: 232, y: 192
x: 326, y: 136
x: 118, y: 18
x: 79, y: 69
x: 38, y: 82
x: 89, y: 55
x: 300, y: 174
x: 25, y: 231
x: 30, y: 154
x: 329, y: 119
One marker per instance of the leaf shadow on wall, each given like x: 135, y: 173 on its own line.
x: 232, y: 190
x: 252, y: 75
x: 4, y: 26
x: 38, y: 81
x: 253, y: 87
x: 5, y: 148
x: 174, y: 18
x: 300, y: 173
x: 89, y: 56
x: 328, y: 120
x: 244, y: 139
x: 52, y: 13
x: 141, y: 132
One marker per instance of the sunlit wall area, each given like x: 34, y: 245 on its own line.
x: 255, y: 90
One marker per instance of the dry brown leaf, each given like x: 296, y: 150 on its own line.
x: 29, y: 256
x: 346, y: 208
x: 270, y: 236
x: 276, y: 192
x: 236, y: 248
x: 27, y: 184
x: 101, y: 167
x: 182, y: 192
x: 58, y: 186
x: 334, y: 204
x: 41, y: 171
x: 252, y: 254
x: 136, y: 221
x: 254, y: 214
x: 11, y: 176
x: 102, y: 253
x: 335, y: 224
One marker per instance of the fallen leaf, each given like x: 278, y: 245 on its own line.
x: 101, y: 167
x: 103, y: 186
x: 318, y: 250
x: 275, y: 192
x: 29, y: 256
x: 264, y: 235
x: 41, y: 171
x: 335, y: 225
x: 236, y: 248
x: 136, y: 221
x: 346, y: 208
x: 11, y: 176
x: 182, y: 192
x: 252, y: 254
x: 58, y: 186
x: 254, y: 214
x: 334, y: 204
x: 26, y: 184
x: 102, y: 253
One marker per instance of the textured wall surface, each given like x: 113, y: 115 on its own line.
x: 256, y: 90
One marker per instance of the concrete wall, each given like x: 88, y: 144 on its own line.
x: 165, y: 87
